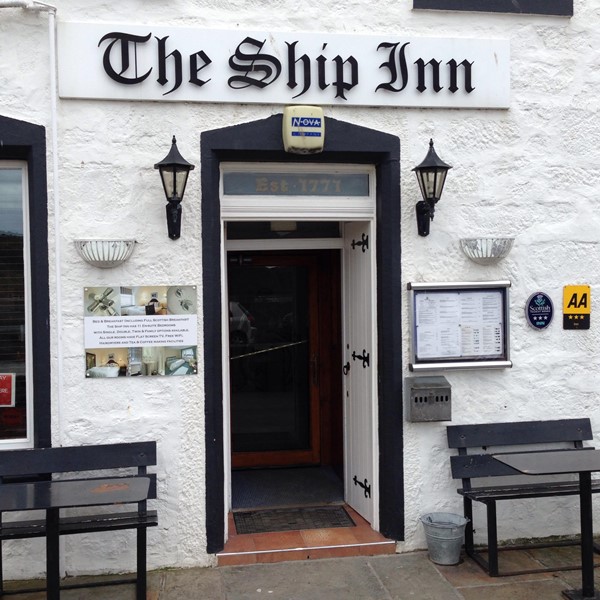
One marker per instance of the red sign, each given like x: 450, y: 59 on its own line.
x: 7, y: 389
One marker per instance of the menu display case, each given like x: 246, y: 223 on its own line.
x: 462, y: 325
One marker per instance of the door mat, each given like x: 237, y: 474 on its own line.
x: 290, y: 519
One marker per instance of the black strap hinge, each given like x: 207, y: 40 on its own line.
x: 364, y: 357
x: 363, y: 243
x: 364, y: 485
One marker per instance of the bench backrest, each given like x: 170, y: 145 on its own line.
x: 39, y: 462
x: 464, y: 437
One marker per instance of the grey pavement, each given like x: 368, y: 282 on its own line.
x: 390, y: 577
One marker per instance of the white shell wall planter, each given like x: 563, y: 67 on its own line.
x: 486, y: 251
x: 105, y: 254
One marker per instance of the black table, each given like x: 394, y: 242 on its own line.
x: 583, y: 462
x: 51, y: 496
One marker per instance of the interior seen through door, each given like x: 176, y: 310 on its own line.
x: 271, y: 349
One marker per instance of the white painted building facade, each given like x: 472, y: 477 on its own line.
x: 524, y: 166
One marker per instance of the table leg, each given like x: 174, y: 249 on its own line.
x: 52, y: 554
x: 587, y: 591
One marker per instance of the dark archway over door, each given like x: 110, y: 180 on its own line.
x: 344, y: 143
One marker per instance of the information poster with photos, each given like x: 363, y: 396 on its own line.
x: 459, y: 325
x: 140, y: 331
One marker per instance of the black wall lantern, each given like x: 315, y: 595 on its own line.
x: 174, y: 171
x: 431, y: 175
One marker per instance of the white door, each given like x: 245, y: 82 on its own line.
x: 359, y: 369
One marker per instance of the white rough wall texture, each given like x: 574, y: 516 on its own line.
x: 530, y: 172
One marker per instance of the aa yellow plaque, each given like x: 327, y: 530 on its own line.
x: 577, y: 304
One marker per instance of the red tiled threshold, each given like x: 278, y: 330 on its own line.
x: 304, y: 544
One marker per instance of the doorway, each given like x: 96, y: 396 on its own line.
x: 285, y: 388
x: 261, y: 141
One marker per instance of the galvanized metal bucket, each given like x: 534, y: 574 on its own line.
x: 445, y: 533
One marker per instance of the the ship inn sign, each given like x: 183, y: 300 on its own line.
x: 132, y: 62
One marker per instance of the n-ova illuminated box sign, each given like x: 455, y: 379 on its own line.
x: 303, y: 129
x: 131, y: 62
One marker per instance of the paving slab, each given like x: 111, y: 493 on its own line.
x: 325, y: 579
x: 412, y: 576
x: 198, y: 584
x: 524, y: 590
x: 469, y: 573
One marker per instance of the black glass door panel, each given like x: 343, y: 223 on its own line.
x: 271, y: 346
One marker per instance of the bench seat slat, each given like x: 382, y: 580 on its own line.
x: 513, y: 492
x: 80, y: 524
x: 150, y: 476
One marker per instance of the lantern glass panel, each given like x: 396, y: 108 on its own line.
x: 439, y: 183
x: 429, y: 178
x: 174, y: 181
x: 420, y: 179
x: 167, y: 180
x: 431, y: 182
x: 180, y: 181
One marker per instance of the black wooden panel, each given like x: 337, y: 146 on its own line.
x: 37, y: 461
x: 479, y: 465
x: 563, y: 8
x: 539, y: 490
x: 151, y: 476
x: 110, y: 522
x: 524, y: 432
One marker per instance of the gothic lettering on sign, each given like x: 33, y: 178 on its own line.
x: 127, y: 43
x: 396, y: 65
x: 260, y: 69
x: 435, y: 74
x: 292, y: 62
x: 175, y: 56
x: 195, y: 69
x: 340, y: 85
x: 398, y: 69
x: 453, y: 87
x: 124, y: 40
x: 251, y: 64
x: 255, y: 68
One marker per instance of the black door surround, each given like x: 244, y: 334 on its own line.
x: 344, y: 143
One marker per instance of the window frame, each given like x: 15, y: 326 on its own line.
x: 27, y: 441
x: 27, y: 142
x: 561, y: 8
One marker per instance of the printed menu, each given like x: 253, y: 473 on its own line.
x: 459, y: 324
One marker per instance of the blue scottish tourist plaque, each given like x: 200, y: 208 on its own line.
x: 539, y: 310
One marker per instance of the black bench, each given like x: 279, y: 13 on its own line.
x: 84, y: 462
x: 535, y: 435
